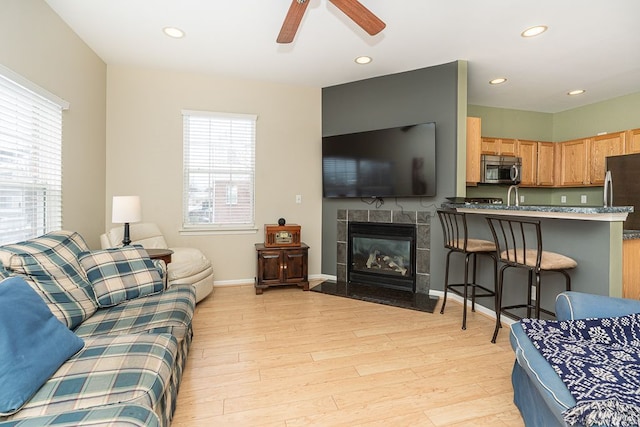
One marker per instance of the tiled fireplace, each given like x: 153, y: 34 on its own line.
x: 389, y: 255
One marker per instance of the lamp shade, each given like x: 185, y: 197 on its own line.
x: 126, y: 209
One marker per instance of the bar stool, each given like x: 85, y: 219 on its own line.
x: 519, y: 244
x: 454, y: 230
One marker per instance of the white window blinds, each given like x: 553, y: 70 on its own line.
x: 219, y: 170
x: 30, y: 159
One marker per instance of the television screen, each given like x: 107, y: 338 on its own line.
x: 394, y: 162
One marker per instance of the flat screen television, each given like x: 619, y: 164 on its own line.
x: 393, y: 162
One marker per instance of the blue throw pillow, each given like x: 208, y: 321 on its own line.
x: 33, y: 344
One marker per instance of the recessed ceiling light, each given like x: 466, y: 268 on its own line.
x: 363, y: 60
x: 173, y: 32
x: 534, y: 31
x: 498, y: 81
x: 576, y: 92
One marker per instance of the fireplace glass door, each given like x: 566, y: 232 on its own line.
x: 382, y: 254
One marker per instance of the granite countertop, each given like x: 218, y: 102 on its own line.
x: 593, y: 213
x: 630, y: 234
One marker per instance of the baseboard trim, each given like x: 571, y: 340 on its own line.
x: 479, y: 307
x: 245, y: 282
x: 440, y: 294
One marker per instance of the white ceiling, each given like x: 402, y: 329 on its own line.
x: 590, y: 44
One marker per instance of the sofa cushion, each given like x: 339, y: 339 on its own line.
x: 129, y: 368
x: 49, y: 264
x: 120, y: 274
x: 169, y: 311
x: 34, y: 344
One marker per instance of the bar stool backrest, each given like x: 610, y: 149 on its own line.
x: 454, y: 229
x: 518, y: 241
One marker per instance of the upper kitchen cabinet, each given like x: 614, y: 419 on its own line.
x: 573, y: 164
x: 499, y: 146
x: 538, y: 161
x: 602, y: 146
x: 632, y: 143
x: 545, y: 175
x: 528, y: 151
x: 473, y: 150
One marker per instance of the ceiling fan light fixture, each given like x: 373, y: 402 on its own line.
x: 498, y: 81
x: 173, y: 32
x: 362, y: 60
x: 576, y: 92
x: 534, y: 31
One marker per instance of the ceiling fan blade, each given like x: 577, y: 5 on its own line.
x: 360, y: 15
x: 292, y: 21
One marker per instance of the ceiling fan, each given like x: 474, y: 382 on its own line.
x: 352, y: 8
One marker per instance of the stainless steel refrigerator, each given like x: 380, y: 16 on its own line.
x: 625, y: 177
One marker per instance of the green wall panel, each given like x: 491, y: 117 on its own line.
x: 613, y: 115
x: 504, y: 123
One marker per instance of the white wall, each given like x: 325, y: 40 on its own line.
x: 38, y: 45
x: 144, y: 156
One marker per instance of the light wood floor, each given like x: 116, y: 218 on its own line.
x: 294, y: 358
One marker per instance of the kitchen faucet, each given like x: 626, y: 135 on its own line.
x: 511, y: 188
x: 608, y: 190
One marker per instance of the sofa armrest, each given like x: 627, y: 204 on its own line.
x: 578, y: 305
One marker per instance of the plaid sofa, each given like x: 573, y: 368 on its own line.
x: 129, y: 370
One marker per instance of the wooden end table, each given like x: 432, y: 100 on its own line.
x: 163, y: 254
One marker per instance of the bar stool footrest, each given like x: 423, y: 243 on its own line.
x: 487, y: 292
x: 507, y: 311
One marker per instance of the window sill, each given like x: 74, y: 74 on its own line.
x: 206, y: 231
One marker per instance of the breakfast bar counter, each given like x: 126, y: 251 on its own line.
x: 592, y: 236
x: 586, y: 213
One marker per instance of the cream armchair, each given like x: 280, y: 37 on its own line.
x: 188, y: 265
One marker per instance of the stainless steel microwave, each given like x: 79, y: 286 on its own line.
x: 500, y: 169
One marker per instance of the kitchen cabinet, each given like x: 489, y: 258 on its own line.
x: 538, y: 162
x: 490, y: 146
x: 473, y: 150
x: 602, y: 146
x: 545, y: 176
x: 508, y: 147
x: 632, y: 142
x: 630, y: 270
x: 528, y: 151
x: 573, y: 163
x: 499, y: 146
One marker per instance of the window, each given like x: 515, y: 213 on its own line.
x: 219, y: 170
x: 30, y: 159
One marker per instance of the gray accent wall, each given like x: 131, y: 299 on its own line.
x: 418, y: 96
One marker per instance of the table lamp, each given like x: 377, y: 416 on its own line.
x: 126, y: 209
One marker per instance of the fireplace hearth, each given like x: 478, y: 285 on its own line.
x: 379, y: 295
